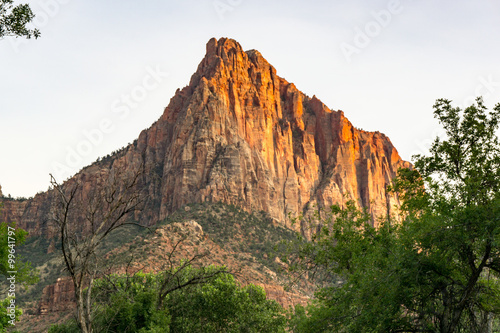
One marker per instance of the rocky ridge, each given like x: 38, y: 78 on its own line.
x: 240, y: 134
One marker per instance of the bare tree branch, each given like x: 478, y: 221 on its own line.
x: 84, y: 217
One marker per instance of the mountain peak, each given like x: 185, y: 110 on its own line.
x: 274, y: 148
x: 240, y: 134
x: 225, y: 58
x: 222, y: 46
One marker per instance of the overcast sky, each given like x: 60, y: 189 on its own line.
x: 103, y: 71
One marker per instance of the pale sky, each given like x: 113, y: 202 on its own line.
x: 102, y: 71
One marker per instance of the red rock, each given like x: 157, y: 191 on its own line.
x: 240, y: 134
x: 57, y: 297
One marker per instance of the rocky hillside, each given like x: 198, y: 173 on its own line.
x: 240, y: 134
x: 226, y: 235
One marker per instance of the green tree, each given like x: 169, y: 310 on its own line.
x: 364, y: 269
x: 123, y: 304
x: 5, y: 319
x: 435, y: 271
x: 460, y: 211
x: 11, y: 261
x: 128, y: 304
x: 219, y: 304
x: 223, y: 306
x: 14, y: 20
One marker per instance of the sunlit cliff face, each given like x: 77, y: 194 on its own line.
x: 240, y: 134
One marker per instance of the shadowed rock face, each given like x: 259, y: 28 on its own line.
x: 240, y: 134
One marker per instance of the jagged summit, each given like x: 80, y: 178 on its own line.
x: 240, y: 134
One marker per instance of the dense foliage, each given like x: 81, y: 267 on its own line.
x: 224, y: 306
x: 437, y: 269
x: 10, y: 261
x: 14, y: 20
x: 130, y: 304
x: 25, y: 274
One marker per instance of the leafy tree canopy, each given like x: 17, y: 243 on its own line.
x: 130, y: 304
x: 437, y: 269
x: 14, y: 20
x: 224, y: 306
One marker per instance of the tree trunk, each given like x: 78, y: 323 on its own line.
x: 489, y: 323
x: 80, y: 311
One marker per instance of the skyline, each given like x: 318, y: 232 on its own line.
x: 100, y: 73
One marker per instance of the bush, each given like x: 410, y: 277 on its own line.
x: 130, y: 304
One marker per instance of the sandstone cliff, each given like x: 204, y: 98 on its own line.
x: 240, y: 134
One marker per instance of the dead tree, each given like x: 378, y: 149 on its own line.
x: 87, y: 211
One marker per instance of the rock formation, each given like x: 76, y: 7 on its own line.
x: 240, y: 134
x: 58, y: 297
